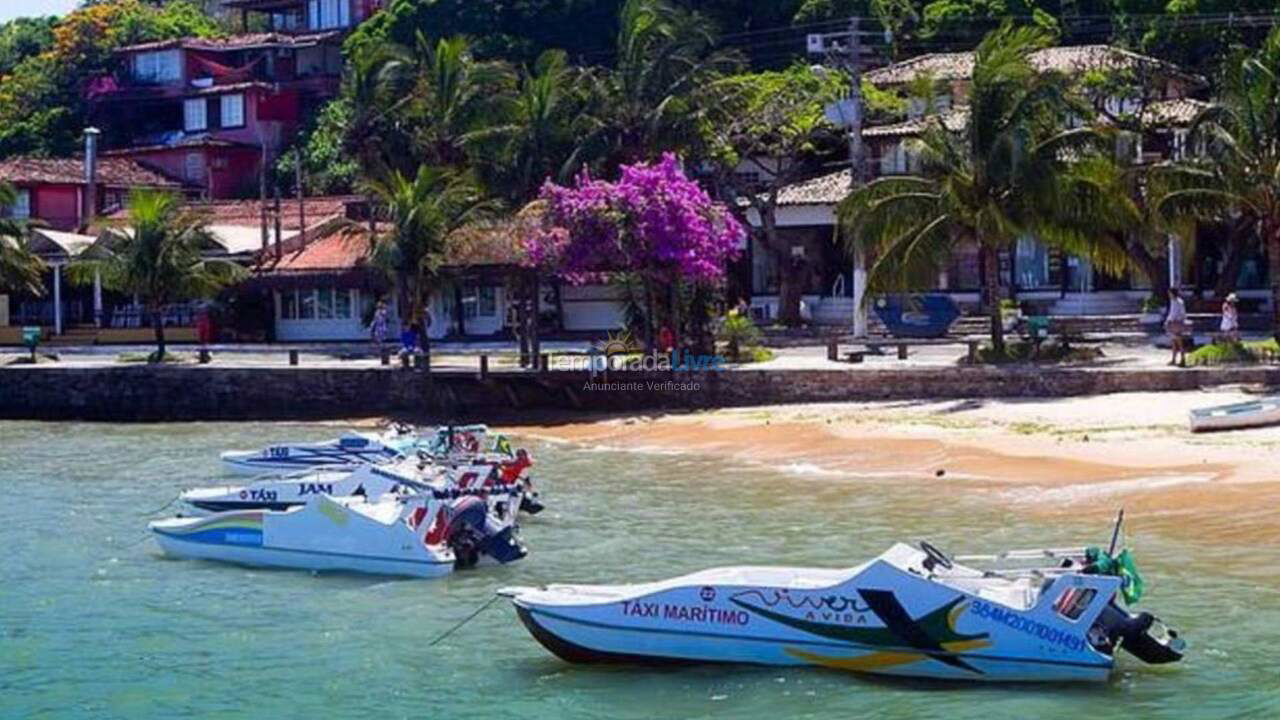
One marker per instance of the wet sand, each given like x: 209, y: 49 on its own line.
x: 1070, y: 456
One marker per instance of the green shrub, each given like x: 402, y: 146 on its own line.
x: 740, y: 336
x: 1050, y: 352
x: 1227, y: 353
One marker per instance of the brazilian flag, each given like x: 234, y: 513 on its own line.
x: 503, y: 445
x: 1121, y: 566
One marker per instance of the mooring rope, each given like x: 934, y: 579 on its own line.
x: 465, y: 620
x: 164, y: 507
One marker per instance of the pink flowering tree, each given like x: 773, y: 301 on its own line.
x: 654, y: 223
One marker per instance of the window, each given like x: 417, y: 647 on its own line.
x: 307, y: 305
x: 328, y: 14
x: 195, y: 115
x: 1072, y: 602
x: 324, y: 304
x: 479, y: 301
x: 342, y: 304
x: 289, y: 305
x: 233, y: 111
x: 21, y: 208
x: 154, y: 68
x: 194, y: 167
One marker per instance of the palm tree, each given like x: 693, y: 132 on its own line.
x: 537, y: 141
x: 20, y: 270
x: 1236, y: 174
x: 157, y: 256
x: 422, y: 210
x: 664, y: 55
x: 1006, y: 175
x: 435, y: 93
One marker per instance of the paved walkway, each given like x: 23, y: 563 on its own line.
x: 1127, y: 352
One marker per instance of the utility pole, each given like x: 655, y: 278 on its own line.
x: 858, y: 173
x: 846, y: 50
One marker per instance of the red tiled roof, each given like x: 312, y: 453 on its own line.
x: 247, y: 41
x: 248, y: 213
x: 344, y: 249
x: 112, y: 172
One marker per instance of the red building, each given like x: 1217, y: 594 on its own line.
x: 55, y: 190
x: 212, y: 110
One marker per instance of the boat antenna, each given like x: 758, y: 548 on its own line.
x: 1115, y: 532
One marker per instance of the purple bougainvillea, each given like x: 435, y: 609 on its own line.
x: 653, y: 220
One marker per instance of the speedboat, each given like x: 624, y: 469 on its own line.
x: 1256, y: 413
x: 280, y: 492
x: 362, y: 448
x: 421, y: 535
x: 909, y: 612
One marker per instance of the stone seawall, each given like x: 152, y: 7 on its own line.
x: 141, y: 393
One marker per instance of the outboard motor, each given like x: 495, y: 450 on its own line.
x: 473, y: 531
x: 1134, y: 634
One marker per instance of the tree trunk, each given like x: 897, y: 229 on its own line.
x: 1273, y: 277
x: 675, y: 319
x: 157, y: 320
x: 698, y: 321
x: 558, y: 287
x: 649, y: 345
x: 1154, y: 267
x: 1236, y: 247
x: 459, y: 311
x: 991, y: 296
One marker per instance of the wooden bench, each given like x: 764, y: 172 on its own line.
x: 903, y: 346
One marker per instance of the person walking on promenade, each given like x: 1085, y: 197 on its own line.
x: 1230, y: 326
x: 1175, y: 323
x: 378, y: 327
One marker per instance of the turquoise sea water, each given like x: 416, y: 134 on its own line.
x: 94, y: 622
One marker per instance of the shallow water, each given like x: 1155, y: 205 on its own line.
x: 94, y: 622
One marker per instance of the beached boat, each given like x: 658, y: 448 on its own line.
x: 362, y: 448
x: 1238, y: 415
x: 406, y: 476
x: 422, y: 535
x: 911, y: 612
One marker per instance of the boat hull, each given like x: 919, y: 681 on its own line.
x: 300, y: 559
x: 576, y: 642
x: 1239, y: 415
x: 887, y: 617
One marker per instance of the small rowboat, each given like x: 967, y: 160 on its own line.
x: 909, y: 612
x: 1238, y: 415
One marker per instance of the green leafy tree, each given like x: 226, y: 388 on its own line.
x: 20, y: 270
x: 1236, y: 176
x: 772, y: 124
x: 158, y: 256
x: 1007, y: 174
x: 327, y: 168
x: 435, y: 92
x: 423, y: 210
x: 664, y: 55
x: 23, y: 38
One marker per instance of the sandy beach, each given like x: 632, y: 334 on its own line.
x: 1074, y: 456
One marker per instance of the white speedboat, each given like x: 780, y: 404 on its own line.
x: 910, y: 612
x: 422, y: 535
x: 362, y: 448
x: 1237, y: 415
x: 280, y: 492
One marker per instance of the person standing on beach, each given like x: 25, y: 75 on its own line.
x: 378, y: 327
x: 1175, y: 323
x: 1230, y: 327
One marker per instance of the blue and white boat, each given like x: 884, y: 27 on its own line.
x: 359, y: 448
x: 420, y: 535
x: 408, y: 476
x: 909, y: 612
